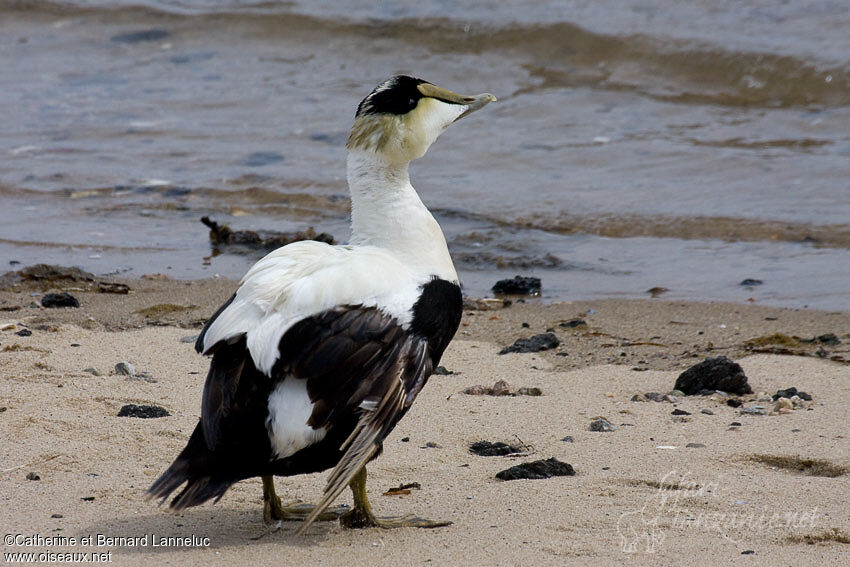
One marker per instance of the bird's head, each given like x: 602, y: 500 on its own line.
x: 403, y: 116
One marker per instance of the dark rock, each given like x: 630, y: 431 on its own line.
x: 791, y: 392
x: 112, y: 287
x: 56, y: 516
x: 442, y: 371
x: 405, y: 439
x: 657, y: 291
x: 143, y: 411
x: 140, y: 36
x: 828, y: 339
x: 24, y: 333
x: 748, y: 552
x: 678, y: 411
x: 488, y: 449
x: 568, y: 439
x: 735, y: 424
x: 63, y: 299
x: 718, y: 373
x: 537, y: 470
x: 733, y: 403
x: 574, y: 323
x: 537, y: 343
x: 749, y: 282
x: 695, y: 446
x: 519, y: 285
x: 33, y: 476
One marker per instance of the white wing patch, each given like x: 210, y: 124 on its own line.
x: 305, y: 278
x: 289, y: 409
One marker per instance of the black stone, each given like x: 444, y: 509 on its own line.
x: 718, y: 373
x: 828, y: 339
x: 537, y: 470
x: 678, y: 411
x: 519, y: 285
x: 537, y: 343
x: 733, y: 403
x: 24, y: 333
x: 751, y: 282
x: 789, y: 392
x: 143, y: 411
x: 572, y: 324
x: 488, y: 449
x: 63, y: 299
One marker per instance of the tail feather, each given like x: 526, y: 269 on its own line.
x: 192, y: 466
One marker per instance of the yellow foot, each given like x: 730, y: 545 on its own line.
x: 357, y: 518
x: 295, y: 511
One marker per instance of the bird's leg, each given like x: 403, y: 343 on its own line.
x: 361, y: 515
x: 274, y: 511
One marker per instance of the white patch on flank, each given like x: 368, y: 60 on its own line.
x: 289, y: 409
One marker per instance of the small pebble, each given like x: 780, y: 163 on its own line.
x: 695, y: 446
x: 125, y: 369
x: 734, y: 403
x: 33, y: 476
x: 678, y: 411
x: 142, y: 411
x: 754, y: 410
x: 568, y: 438
x: 706, y: 411
x: 783, y: 403
x: 601, y: 424
x: 537, y: 343
x: 64, y: 299
x: 189, y: 339
x: 56, y: 516
x: 519, y: 285
x: 748, y: 552
x: 24, y: 333
x: 92, y: 370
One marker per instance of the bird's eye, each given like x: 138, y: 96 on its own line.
x: 412, y: 102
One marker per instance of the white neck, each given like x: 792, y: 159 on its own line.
x: 387, y: 212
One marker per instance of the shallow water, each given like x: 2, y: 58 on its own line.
x: 634, y: 145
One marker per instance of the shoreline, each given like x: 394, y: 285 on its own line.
x: 641, y: 493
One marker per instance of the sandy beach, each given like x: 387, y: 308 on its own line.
x: 661, y: 489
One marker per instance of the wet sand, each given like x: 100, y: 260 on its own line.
x: 640, y: 494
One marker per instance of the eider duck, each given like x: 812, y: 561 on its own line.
x: 323, y: 348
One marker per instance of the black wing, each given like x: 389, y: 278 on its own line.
x: 359, y: 363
